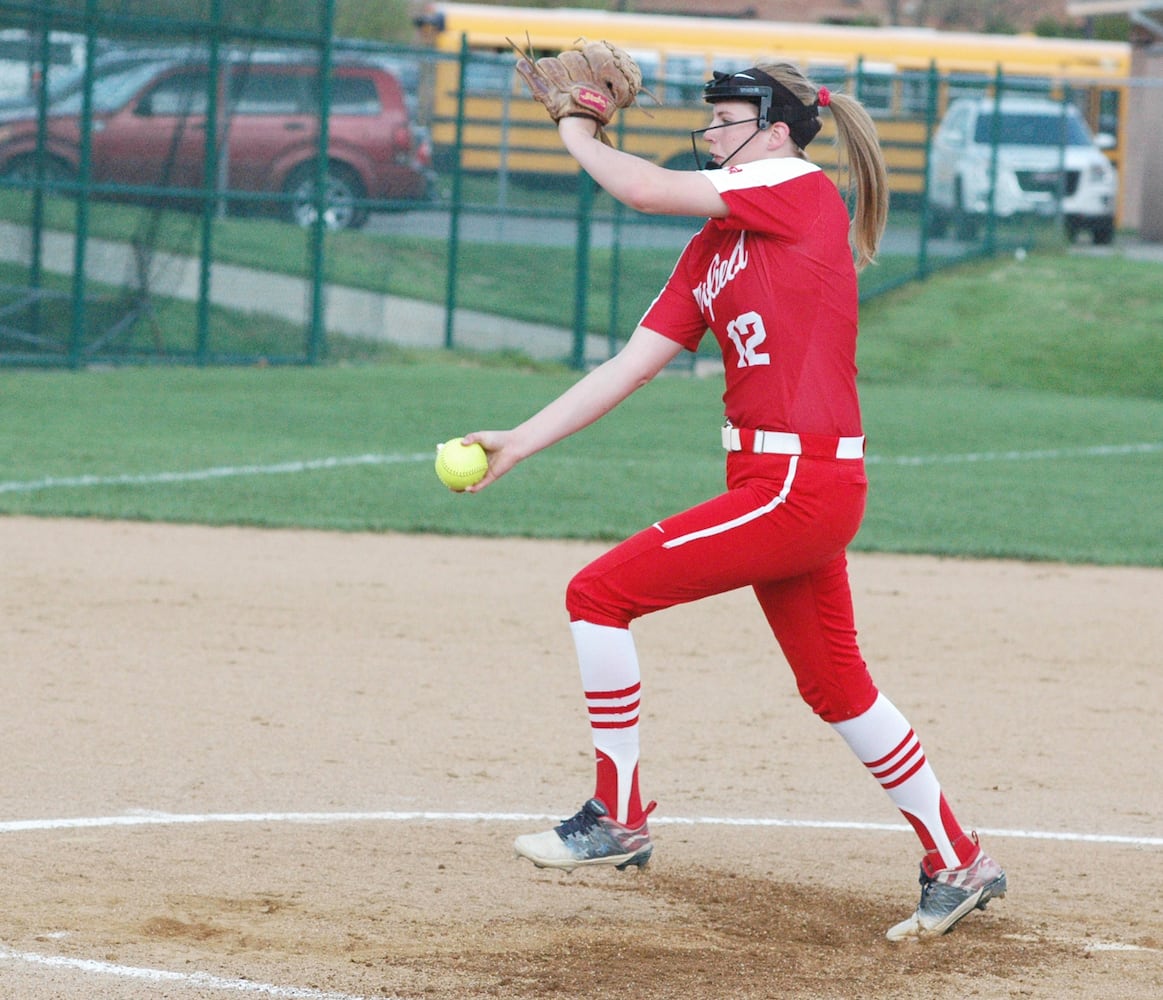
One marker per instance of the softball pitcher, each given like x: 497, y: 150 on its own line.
x: 772, y: 275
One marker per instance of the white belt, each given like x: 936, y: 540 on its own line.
x: 786, y: 443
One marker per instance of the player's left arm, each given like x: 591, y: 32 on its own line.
x: 645, y: 354
x: 635, y: 181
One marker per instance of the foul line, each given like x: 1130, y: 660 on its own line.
x: 200, y: 475
x: 148, y: 818
x: 1092, y: 451
x: 202, y: 979
x: 343, y: 462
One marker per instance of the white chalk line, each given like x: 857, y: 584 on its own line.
x: 201, y: 475
x: 91, y: 481
x: 205, y: 980
x: 151, y: 818
x: 1087, y: 944
x: 1090, y: 451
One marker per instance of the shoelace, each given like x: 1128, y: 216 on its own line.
x: 581, y: 822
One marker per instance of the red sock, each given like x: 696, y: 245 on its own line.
x: 606, y: 790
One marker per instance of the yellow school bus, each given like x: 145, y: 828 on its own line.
x: 903, y: 76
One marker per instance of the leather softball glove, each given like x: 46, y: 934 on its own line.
x: 593, y: 81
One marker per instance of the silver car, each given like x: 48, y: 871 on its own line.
x: 1047, y: 163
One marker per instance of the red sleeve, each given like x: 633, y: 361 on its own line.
x: 785, y: 211
x: 675, y: 313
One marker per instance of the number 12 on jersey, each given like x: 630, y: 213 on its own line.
x: 747, y: 333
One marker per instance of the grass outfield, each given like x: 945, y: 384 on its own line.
x: 955, y: 469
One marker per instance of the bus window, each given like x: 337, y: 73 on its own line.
x: 915, y: 93
x: 966, y: 85
x: 874, y: 83
x: 684, y: 77
x: 730, y: 64
x: 485, y: 74
x: 648, y: 63
x: 827, y: 74
x: 1109, y: 112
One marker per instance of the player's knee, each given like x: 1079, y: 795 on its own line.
x: 587, y: 599
x: 839, y: 702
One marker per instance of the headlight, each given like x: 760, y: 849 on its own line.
x: 1098, y: 173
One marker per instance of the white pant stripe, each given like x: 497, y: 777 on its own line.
x: 718, y: 529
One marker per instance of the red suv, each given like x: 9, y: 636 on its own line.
x: 149, y: 126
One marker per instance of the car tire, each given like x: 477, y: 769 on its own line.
x: 938, y: 221
x: 966, y: 227
x: 964, y: 221
x: 342, y: 194
x: 23, y: 168
x: 1102, y: 230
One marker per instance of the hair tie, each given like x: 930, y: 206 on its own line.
x: 823, y: 97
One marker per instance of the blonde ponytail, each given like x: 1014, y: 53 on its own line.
x: 860, y: 158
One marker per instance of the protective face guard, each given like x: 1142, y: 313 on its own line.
x: 744, y: 86
x: 710, y: 164
x: 722, y: 88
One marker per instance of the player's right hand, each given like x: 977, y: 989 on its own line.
x: 502, y: 456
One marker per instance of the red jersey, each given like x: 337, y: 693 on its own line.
x: 775, y: 283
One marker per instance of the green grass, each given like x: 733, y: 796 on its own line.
x: 1074, y: 324
x: 1055, y: 500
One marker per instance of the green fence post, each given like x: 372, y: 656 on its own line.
x: 84, y: 191
x: 930, y: 126
x: 1063, y: 141
x: 585, y: 211
x: 612, y: 326
x: 616, y: 257
x: 454, y: 209
x: 209, y: 190
x: 990, y: 247
x: 38, y: 194
x: 316, y: 335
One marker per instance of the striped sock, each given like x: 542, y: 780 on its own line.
x: 610, y: 678
x: 887, y: 745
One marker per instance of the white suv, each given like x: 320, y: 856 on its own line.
x: 1047, y: 163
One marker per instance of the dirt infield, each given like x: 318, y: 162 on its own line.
x: 292, y: 765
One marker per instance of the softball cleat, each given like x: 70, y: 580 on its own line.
x: 949, y: 895
x: 590, y: 837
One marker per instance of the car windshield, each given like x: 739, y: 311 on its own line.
x: 1032, y: 129
x: 110, y: 92
x: 73, y: 80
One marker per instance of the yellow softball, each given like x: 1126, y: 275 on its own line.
x: 459, y: 465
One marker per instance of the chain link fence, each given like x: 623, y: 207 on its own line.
x: 210, y: 191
